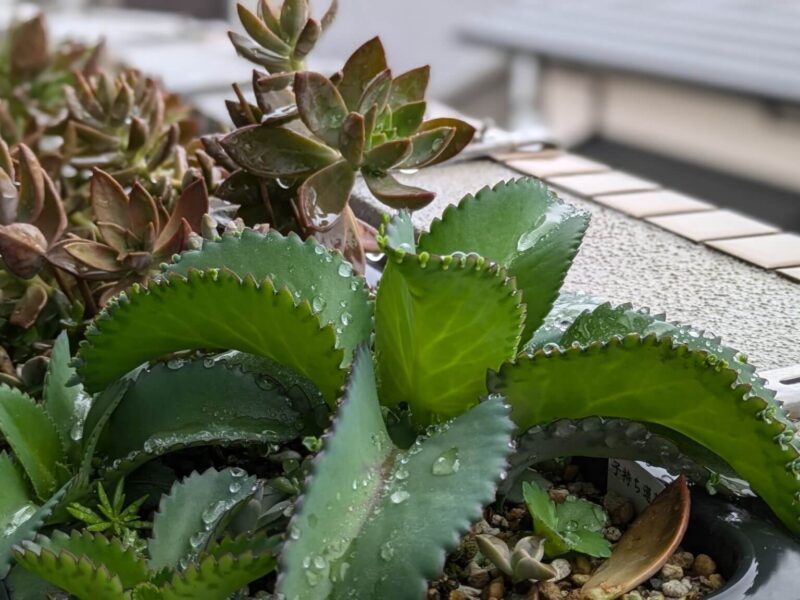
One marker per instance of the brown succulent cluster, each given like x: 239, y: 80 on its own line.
x: 296, y: 152
x: 32, y: 80
x: 103, y: 177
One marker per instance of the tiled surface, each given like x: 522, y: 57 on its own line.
x: 612, y: 182
x: 713, y: 225
x: 561, y: 164
x: 650, y: 204
x: 766, y: 251
x: 793, y: 273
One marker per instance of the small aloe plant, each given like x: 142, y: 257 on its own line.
x: 572, y: 525
x: 114, y: 516
x: 525, y: 562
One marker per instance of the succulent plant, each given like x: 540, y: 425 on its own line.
x: 254, y: 336
x: 118, y: 518
x: 524, y: 562
x: 295, y: 154
x: 126, y: 125
x: 572, y: 525
x: 280, y: 42
x: 33, y: 218
x: 137, y: 233
x: 187, y: 555
x: 32, y: 80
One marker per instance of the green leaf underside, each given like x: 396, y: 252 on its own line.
x: 196, y: 402
x: 440, y: 323
x: 310, y: 271
x: 625, y: 439
x: 24, y: 585
x: 189, y: 517
x: 209, y: 310
x: 521, y: 225
x: 62, y: 401
x: 78, y: 576
x: 216, y: 578
x: 397, y: 512
x: 16, y: 499
x: 27, y: 529
x: 100, y: 550
x: 658, y: 381
x: 33, y: 438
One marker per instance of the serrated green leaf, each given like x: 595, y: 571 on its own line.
x: 399, y: 233
x: 213, y: 310
x: 78, y: 576
x: 398, y: 512
x: 197, y: 402
x: 17, y: 500
x: 216, y: 578
x: 668, y: 384
x: 440, y: 323
x: 100, y: 550
x: 24, y: 585
x: 33, y: 438
x: 17, y: 532
x: 521, y: 225
x: 269, y: 151
x: 189, y: 517
x: 256, y: 543
x: 310, y: 271
x: 64, y: 401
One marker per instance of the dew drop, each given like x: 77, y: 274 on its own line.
x: 399, y: 496
x: 345, y: 269
x: 446, y: 463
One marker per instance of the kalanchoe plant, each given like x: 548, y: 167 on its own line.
x: 573, y: 525
x: 294, y: 304
x: 32, y: 80
x: 188, y: 553
x: 293, y: 326
x: 297, y: 151
x: 526, y: 561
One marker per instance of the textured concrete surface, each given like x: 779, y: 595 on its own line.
x: 626, y: 260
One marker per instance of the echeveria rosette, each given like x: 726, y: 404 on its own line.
x: 126, y: 125
x: 362, y: 120
x: 137, y: 233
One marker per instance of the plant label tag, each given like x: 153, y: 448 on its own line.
x: 637, y: 481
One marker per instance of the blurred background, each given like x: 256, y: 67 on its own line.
x: 702, y: 96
